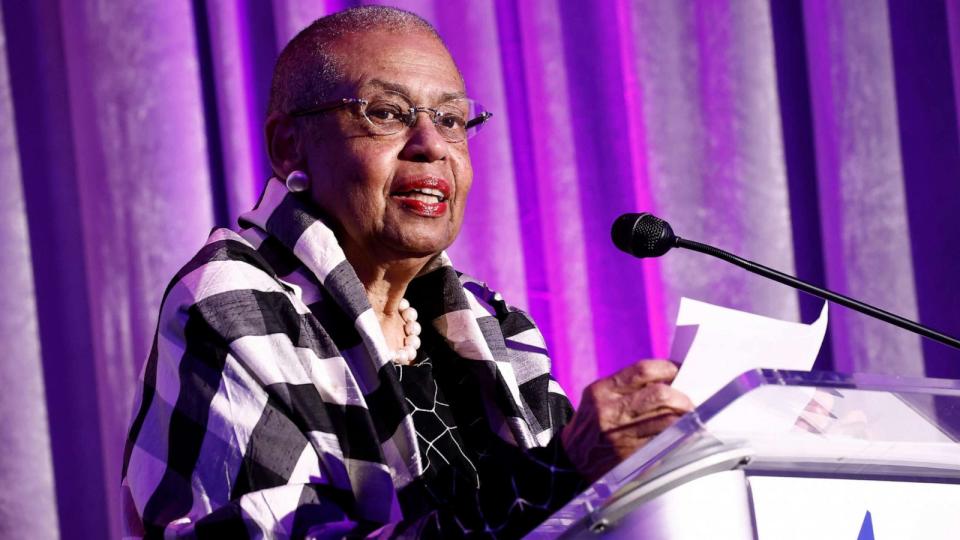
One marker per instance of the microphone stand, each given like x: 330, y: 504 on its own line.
x: 846, y: 301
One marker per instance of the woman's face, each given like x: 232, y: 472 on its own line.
x: 373, y: 186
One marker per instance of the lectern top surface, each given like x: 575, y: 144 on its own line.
x: 785, y: 423
x: 799, y: 417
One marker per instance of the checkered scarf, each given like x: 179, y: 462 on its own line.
x: 269, y: 406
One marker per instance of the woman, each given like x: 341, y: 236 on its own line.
x: 324, y: 371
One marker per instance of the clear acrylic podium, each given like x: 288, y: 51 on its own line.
x: 784, y: 454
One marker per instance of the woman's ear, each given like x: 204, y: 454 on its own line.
x: 284, y: 144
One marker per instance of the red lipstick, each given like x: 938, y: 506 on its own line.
x: 422, y: 208
x: 426, y: 196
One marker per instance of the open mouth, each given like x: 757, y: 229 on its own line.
x: 426, y: 195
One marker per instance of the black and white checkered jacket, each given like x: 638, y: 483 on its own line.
x: 268, y: 406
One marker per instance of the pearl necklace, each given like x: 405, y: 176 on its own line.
x: 411, y: 328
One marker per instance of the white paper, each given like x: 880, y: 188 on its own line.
x: 715, y: 344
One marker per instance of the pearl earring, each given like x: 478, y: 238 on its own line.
x: 297, y: 181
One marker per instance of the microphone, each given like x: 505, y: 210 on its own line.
x: 642, y: 235
x: 645, y: 235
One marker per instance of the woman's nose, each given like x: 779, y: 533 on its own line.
x: 424, y: 142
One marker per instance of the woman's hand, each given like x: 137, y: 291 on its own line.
x: 620, y: 413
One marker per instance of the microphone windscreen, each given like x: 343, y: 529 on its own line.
x: 642, y: 235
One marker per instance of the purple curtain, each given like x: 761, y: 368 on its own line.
x: 818, y: 137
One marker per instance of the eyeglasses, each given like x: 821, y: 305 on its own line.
x: 456, y: 120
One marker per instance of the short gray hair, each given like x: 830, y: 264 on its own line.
x: 307, y: 70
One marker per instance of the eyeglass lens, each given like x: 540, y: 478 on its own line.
x: 387, y: 116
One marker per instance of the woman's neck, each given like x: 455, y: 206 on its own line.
x: 386, y: 283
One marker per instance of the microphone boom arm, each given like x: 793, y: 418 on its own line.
x: 831, y: 296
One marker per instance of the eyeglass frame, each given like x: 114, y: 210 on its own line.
x: 435, y: 116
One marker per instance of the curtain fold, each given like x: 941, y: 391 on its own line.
x: 866, y: 240
x: 817, y: 137
x: 552, y: 188
x: 142, y: 169
x: 713, y: 136
x: 239, y: 101
x: 26, y: 466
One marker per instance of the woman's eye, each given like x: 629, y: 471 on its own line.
x: 451, y: 121
x: 383, y: 113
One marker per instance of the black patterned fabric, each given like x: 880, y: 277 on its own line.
x: 489, y: 489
